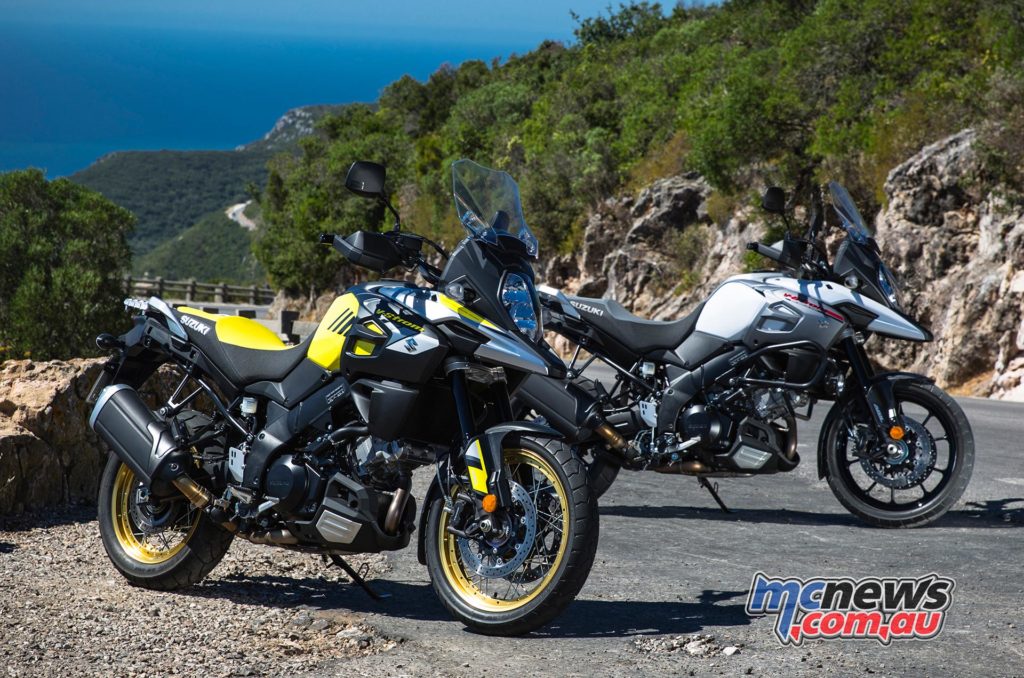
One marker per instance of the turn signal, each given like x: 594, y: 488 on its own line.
x: 490, y: 503
x: 896, y: 433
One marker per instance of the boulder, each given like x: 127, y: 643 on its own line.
x: 48, y: 454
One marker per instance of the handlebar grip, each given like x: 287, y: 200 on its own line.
x: 326, y: 238
x: 765, y: 251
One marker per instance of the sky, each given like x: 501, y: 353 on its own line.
x: 81, y: 79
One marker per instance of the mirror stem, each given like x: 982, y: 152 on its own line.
x: 398, y: 219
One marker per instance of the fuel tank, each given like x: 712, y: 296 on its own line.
x: 365, y: 333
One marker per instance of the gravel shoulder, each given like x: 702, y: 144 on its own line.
x: 64, y: 610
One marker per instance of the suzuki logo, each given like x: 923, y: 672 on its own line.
x: 587, y: 307
x: 411, y: 345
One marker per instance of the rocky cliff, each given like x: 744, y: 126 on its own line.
x: 955, y: 239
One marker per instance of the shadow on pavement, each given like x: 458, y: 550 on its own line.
x: 6, y: 547
x: 416, y: 601
x: 995, y: 513
x: 608, y: 618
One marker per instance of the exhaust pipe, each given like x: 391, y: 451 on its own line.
x: 392, y: 521
x: 281, y: 537
x: 144, y: 443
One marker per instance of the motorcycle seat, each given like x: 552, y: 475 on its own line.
x: 638, y: 334
x: 242, y: 349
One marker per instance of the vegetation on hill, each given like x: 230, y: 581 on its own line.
x: 169, y: 191
x: 65, y: 252
x: 214, y: 249
x: 746, y: 92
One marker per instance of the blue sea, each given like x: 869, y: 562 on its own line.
x: 70, y: 94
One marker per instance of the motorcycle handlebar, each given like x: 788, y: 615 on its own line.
x: 766, y: 251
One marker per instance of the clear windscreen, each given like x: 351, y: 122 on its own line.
x: 848, y: 213
x: 488, y: 203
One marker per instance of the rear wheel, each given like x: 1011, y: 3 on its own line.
x: 911, y: 482
x: 601, y: 472
x: 535, y: 559
x: 161, y: 544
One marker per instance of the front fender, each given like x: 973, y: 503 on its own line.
x: 495, y: 437
x: 840, y: 405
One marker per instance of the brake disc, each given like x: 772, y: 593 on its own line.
x: 908, y: 462
x: 478, y: 555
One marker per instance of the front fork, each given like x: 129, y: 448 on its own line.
x: 482, y: 454
x: 875, y: 394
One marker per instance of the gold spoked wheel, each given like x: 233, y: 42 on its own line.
x: 507, y: 573
x: 149, y: 533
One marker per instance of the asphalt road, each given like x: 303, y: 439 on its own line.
x: 671, y: 565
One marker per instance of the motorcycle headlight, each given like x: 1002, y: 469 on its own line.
x: 517, y: 297
x: 890, y: 288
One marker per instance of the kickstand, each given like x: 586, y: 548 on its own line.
x: 713, y: 489
x: 357, y: 578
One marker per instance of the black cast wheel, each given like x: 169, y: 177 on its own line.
x: 904, y: 483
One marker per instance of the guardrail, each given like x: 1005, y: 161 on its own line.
x: 191, y: 291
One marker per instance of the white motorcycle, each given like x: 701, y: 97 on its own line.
x: 718, y: 392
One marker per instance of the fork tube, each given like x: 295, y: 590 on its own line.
x: 877, y: 394
x: 463, y: 408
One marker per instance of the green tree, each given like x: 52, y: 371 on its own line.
x: 64, y: 253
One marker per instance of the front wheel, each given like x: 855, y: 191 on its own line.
x: 536, y: 554
x: 910, y: 482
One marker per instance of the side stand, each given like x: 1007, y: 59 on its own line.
x: 713, y: 489
x: 357, y: 578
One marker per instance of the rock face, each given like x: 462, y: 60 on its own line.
x: 958, y: 246
x: 956, y: 242
x: 658, y: 254
x: 48, y: 454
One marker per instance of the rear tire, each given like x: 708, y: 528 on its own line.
x: 467, y: 599
x: 601, y: 473
x: 174, y: 558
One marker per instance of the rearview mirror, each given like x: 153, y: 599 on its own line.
x: 774, y: 200
x: 366, y: 179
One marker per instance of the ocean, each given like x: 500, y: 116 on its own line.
x: 69, y: 95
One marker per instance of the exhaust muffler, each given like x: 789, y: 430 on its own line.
x: 568, y: 408
x: 139, y: 438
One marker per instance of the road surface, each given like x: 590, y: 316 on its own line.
x: 671, y: 564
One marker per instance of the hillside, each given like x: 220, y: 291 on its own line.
x: 214, y: 249
x: 745, y: 93
x: 169, y: 191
